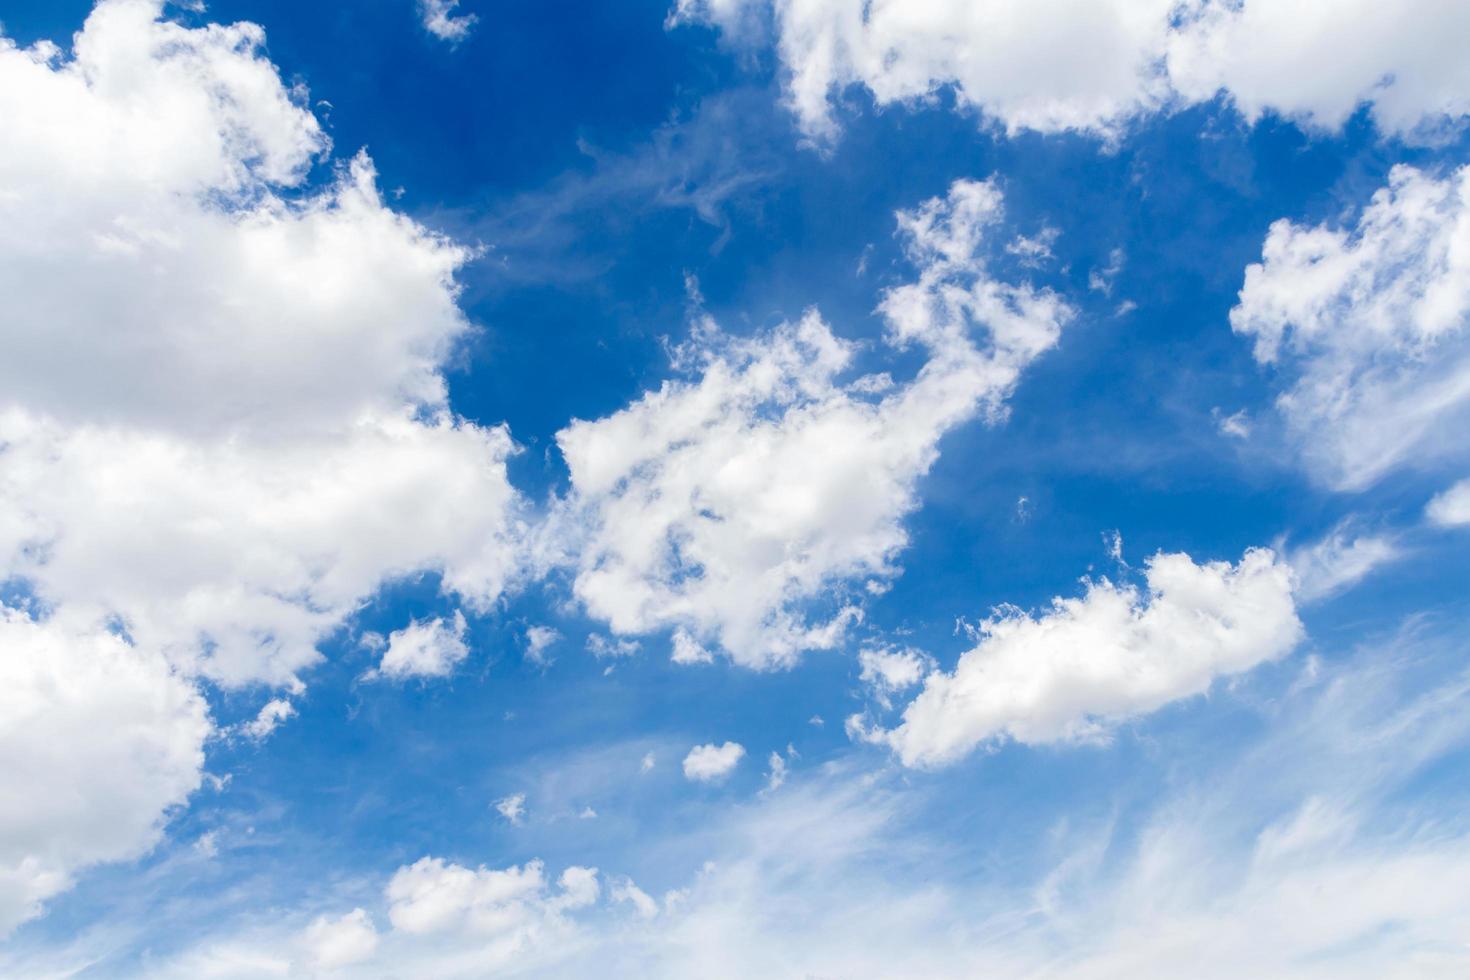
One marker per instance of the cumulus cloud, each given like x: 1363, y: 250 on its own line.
x: 514, y: 905
x: 98, y: 739
x: 711, y: 763
x: 431, y: 648
x: 1452, y: 507
x: 688, y: 650
x: 223, y: 423
x: 887, y: 672
x: 728, y: 505
x: 238, y: 429
x: 1058, y: 65
x: 1086, y: 664
x: 1368, y: 327
x: 440, y: 20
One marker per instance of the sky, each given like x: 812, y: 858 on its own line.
x: 728, y: 488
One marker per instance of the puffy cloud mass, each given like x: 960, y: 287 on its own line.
x: 513, y: 906
x: 725, y: 505
x: 1055, y: 65
x: 1368, y: 326
x: 708, y: 763
x: 97, y: 739
x: 222, y: 419
x: 239, y: 428
x: 1117, y: 652
x: 431, y: 648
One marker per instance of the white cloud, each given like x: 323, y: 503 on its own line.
x: 441, y: 21
x: 238, y: 430
x: 512, y: 808
x: 1340, y: 560
x: 1320, y: 63
x: 342, y: 941
x: 1087, y: 664
x: 223, y: 423
x: 272, y: 713
x: 1369, y: 325
x: 604, y: 648
x: 887, y: 672
x: 432, y: 648
x: 710, y: 763
x: 1092, y: 65
x: 776, y: 774
x: 1236, y: 425
x: 513, y: 905
x: 729, y: 504
x: 98, y: 739
x: 647, y: 763
x: 688, y: 650
x: 539, y: 639
x: 1452, y: 507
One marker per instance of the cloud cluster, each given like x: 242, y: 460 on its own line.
x: 237, y: 431
x: 1081, y: 65
x: 1086, y: 664
x: 1368, y: 326
x: 726, y: 505
x: 510, y: 905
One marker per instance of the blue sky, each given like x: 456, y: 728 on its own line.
x: 813, y: 489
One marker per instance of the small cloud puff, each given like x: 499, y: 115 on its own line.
x: 711, y: 763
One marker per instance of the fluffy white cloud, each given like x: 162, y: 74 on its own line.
x: 1115, y: 653
x: 727, y: 504
x: 688, y: 650
x: 432, y: 648
x: 238, y: 429
x: 342, y: 941
x: 1369, y: 324
x: 1320, y: 62
x: 1451, y: 508
x: 441, y: 21
x: 1053, y: 65
x: 222, y: 419
x: 539, y: 639
x: 98, y: 739
x: 272, y: 713
x: 512, y: 906
x: 887, y: 672
x: 234, y: 557
x: 709, y: 763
